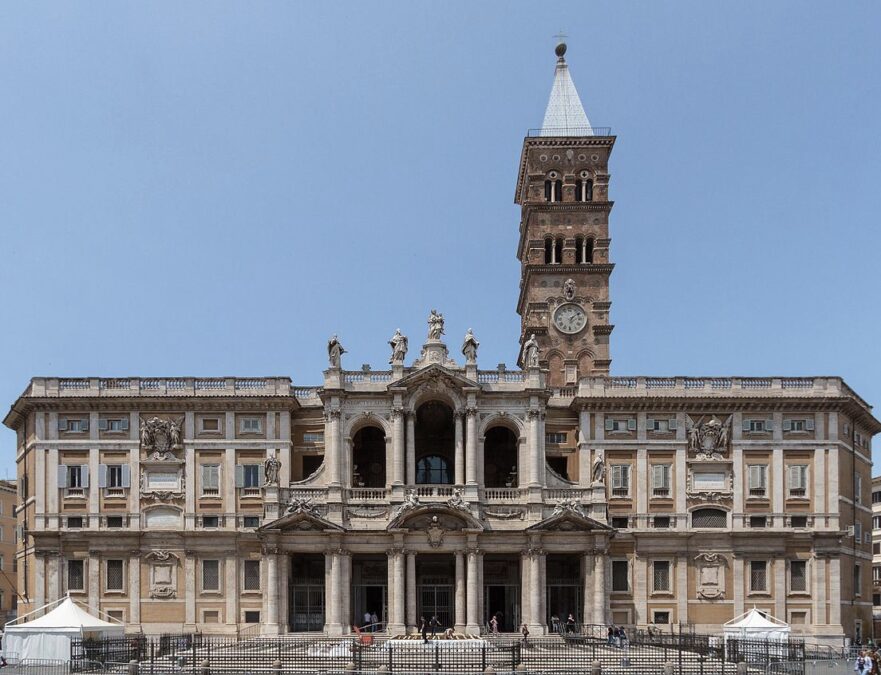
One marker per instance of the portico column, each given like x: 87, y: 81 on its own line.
x: 397, y: 446
x: 134, y: 588
x: 56, y: 569
x: 190, y: 590
x: 473, y: 625
x: 346, y: 618
x: 411, y: 591
x: 271, y: 592
x: 471, y: 446
x: 589, y: 566
x: 411, y: 447
x: 525, y: 589
x: 599, y: 589
x: 460, y: 451
x: 460, y: 592
x: 332, y: 594
x: 39, y: 579
x: 536, y: 589
x: 94, y: 579
x: 396, y: 591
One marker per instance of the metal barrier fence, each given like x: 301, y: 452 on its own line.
x: 687, y: 654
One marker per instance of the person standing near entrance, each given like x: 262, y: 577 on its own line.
x: 494, y: 624
x: 423, y: 628
x: 524, y: 631
x: 435, y: 624
x: 367, y: 621
x: 374, y: 619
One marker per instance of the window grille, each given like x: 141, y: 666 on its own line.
x: 709, y: 518
x: 76, y: 579
x: 758, y: 575
x: 210, y: 575
x: 252, y: 575
x: 114, y: 575
x: 661, y: 575
x: 798, y: 576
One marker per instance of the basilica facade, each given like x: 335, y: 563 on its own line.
x: 437, y: 488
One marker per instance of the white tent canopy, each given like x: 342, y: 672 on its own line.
x: 49, y: 636
x: 754, y: 625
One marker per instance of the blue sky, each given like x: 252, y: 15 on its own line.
x: 214, y: 188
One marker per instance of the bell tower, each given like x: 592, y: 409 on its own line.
x: 563, y: 192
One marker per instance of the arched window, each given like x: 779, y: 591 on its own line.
x: 500, y: 450
x: 558, y: 251
x: 368, y: 458
x: 553, y: 188
x: 584, y: 188
x: 434, y: 470
x: 579, y: 250
x: 709, y: 518
x: 549, y: 251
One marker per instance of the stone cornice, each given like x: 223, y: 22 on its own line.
x: 558, y: 142
x: 590, y: 268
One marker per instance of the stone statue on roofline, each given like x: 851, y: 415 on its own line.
x: 530, y: 352
x: 435, y: 325
x: 398, y: 344
x: 335, y: 351
x: 469, y: 347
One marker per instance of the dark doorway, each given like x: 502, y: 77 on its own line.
x: 306, y: 594
x: 564, y: 588
x: 435, y: 440
x: 500, y: 451
x: 370, y: 590
x: 368, y: 458
x: 501, y: 596
x: 435, y: 588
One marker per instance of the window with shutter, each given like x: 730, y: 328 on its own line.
x: 620, y: 480
x: 610, y: 424
x: 757, y: 474
x: 661, y: 480
x: 631, y: 424
x: 210, y: 479
x: 798, y: 480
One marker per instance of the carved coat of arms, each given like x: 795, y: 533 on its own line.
x: 708, y: 439
x: 711, y: 575
x: 160, y: 437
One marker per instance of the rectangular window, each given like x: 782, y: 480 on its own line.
x: 75, y: 476
x: 76, y: 578
x: 661, y: 522
x: 313, y: 437
x: 798, y: 576
x: 620, y: 522
x: 661, y: 480
x: 876, y: 578
x: 661, y: 576
x: 757, y: 426
x: 210, y: 616
x: 210, y: 575
x: 876, y: 522
x: 114, y: 575
x: 252, y: 616
x: 620, y: 575
x: 555, y: 438
x: 113, y: 424
x: 210, y: 522
x: 798, y: 480
x: 210, y: 424
x: 660, y: 425
x: 660, y: 617
x: 73, y: 425
x: 74, y: 522
x: 857, y: 579
x: 252, y: 575
x: 2, y: 566
x: 251, y: 521
x: 117, y: 614
x: 857, y: 532
x: 758, y: 576
x: 114, y: 521
x: 857, y: 488
x: 114, y: 476
x: 251, y: 474
x: 758, y: 521
x: 758, y: 480
x: 620, y: 474
x: 250, y: 425
x: 620, y: 425
x: 876, y: 497
x: 799, y: 521
x: 210, y: 479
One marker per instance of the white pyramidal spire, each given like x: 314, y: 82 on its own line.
x: 564, y: 115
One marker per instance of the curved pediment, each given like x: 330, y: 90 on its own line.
x: 437, y: 375
x: 427, y: 516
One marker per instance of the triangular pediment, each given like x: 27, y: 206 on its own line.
x: 434, y: 374
x: 300, y: 521
x: 569, y: 520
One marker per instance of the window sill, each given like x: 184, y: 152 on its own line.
x: 661, y: 594
x: 215, y: 498
x: 115, y: 592
x: 252, y: 593
x: 759, y: 594
x: 213, y: 594
x: 799, y: 594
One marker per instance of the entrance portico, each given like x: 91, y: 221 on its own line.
x: 433, y: 560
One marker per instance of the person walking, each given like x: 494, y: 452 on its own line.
x: 570, y: 624
x: 423, y: 628
x: 611, y: 636
x: 524, y: 631
x: 435, y: 624
x: 863, y: 664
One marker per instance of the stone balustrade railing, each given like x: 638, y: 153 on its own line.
x: 366, y: 494
x: 158, y: 386
x: 367, y: 376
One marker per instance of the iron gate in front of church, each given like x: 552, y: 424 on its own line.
x: 435, y: 600
x: 307, y: 607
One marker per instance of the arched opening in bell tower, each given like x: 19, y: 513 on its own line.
x: 435, y: 444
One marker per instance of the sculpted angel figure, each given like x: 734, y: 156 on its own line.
x: 334, y: 351
x: 435, y: 325
x: 398, y: 344
x: 469, y: 347
x: 530, y: 352
x: 174, y: 434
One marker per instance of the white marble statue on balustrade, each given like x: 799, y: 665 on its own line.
x: 530, y: 352
x: 398, y: 344
x: 469, y: 347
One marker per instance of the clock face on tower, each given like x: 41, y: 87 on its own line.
x: 570, y: 319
